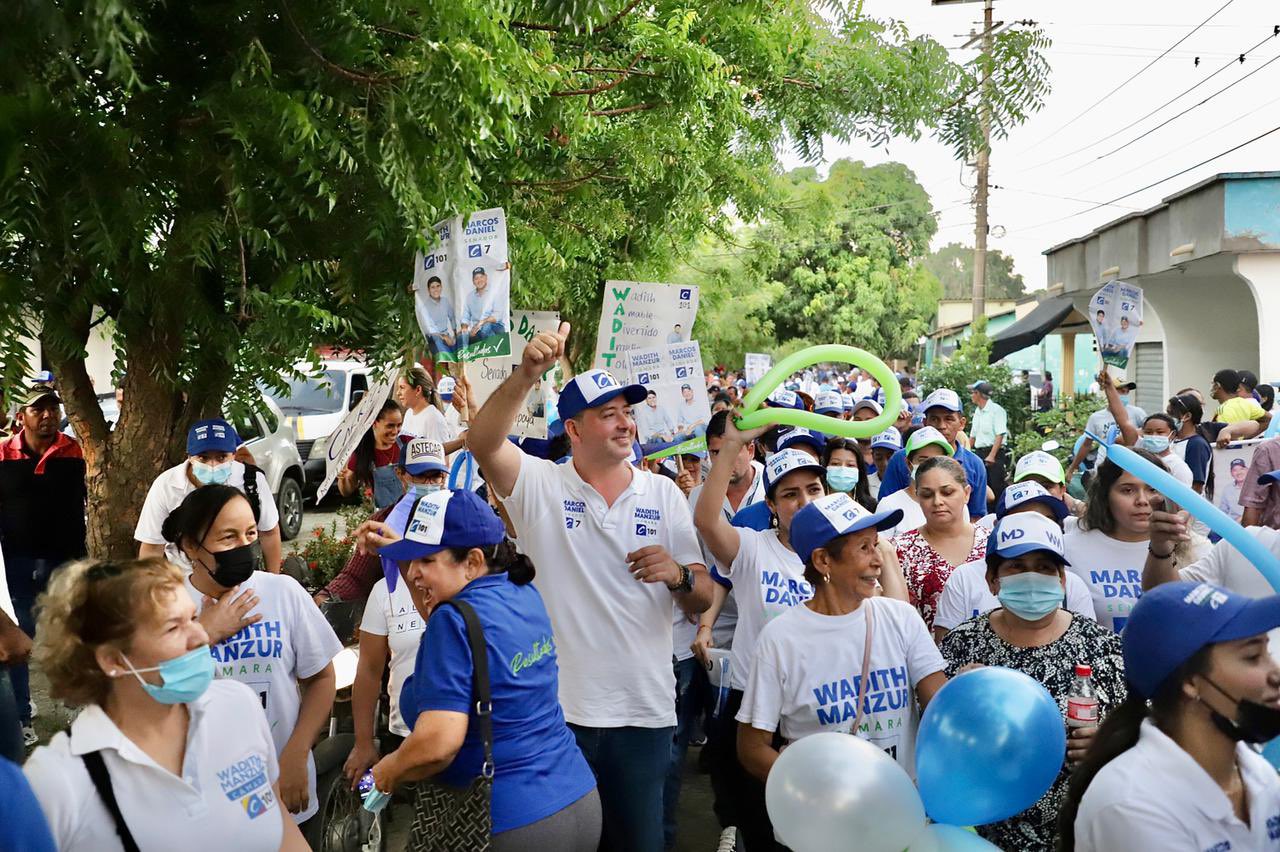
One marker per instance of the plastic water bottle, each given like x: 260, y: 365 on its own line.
x: 1082, y: 701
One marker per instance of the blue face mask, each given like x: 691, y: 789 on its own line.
x: 1031, y: 596
x: 211, y: 474
x: 843, y: 479
x: 1158, y: 444
x: 183, y: 678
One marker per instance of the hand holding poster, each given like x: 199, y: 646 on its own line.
x: 1115, y: 312
x: 637, y: 315
x: 462, y: 288
x: 342, y: 443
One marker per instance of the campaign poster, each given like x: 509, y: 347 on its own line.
x: 676, y: 410
x: 1115, y: 312
x: 756, y: 366
x: 342, y: 443
x: 637, y: 315
x: 486, y: 375
x: 1230, y: 466
x: 462, y: 288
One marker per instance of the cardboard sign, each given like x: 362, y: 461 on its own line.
x: 462, y: 288
x: 756, y: 366
x: 1115, y: 312
x: 636, y: 315
x: 486, y: 375
x: 342, y: 443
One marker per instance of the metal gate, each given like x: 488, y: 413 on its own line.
x: 1148, y: 372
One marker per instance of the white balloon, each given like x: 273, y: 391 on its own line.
x: 832, y: 792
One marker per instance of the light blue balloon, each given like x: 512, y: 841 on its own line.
x: 949, y: 838
x: 990, y: 744
x: 1214, y: 518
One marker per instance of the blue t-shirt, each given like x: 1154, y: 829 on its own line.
x: 538, y: 767
x: 975, y: 470
x: 22, y: 824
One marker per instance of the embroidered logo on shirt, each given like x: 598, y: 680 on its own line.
x: 245, y: 781
x: 574, y: 511
x: 647, y: 521
x: 542, y: 649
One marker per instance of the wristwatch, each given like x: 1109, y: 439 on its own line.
x: 686, y: 581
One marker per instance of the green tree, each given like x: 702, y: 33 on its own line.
x: 229, y: 183
x: 952, y: 265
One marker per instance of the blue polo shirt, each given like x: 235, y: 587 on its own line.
x: 975, y: 470
x: 22, y: 824
x: 538, y: 767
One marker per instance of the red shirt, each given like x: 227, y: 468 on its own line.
x: 926, y: 571
x: 15, y: 448
x: 381, y: 458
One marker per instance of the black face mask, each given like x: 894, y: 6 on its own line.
x: 1254, y: 723
x: 233, y: 567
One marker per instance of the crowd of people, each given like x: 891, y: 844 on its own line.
x: 556, y: 635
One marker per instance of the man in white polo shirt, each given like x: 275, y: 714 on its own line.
x: 211, y: 446
x: 613, y: 546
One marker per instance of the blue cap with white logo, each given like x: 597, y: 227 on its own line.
x: 889, y: 439
x: 830, y: 517
x: 790, y: 436
x: 942, y: 398
x: 1027, y: 493
x: 783, y: 462
x: 783, y: 398
x: 829, y: 403
x: 445, y: 519
x: 1022, y: 533
x: 1173, y: 621
x: 594, y: 388
x: 212, y: 436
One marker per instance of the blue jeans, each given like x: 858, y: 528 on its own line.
x: 691, y: 681
x: 630, y: 765
x: 480, y: 332
x: 20, y: 675
x: 440, y: 344
x: 10, y: 727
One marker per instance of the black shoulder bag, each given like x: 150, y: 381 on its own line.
x: 449, y: 819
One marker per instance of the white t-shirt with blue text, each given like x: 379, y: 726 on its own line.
x: 768, y: 579
x: 1112, y: 569
x: 807, y: 672
x: 395, y: 617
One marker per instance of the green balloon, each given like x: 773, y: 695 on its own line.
x: 754, y: 416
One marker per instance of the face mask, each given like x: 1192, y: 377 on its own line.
x: 842, y: 478
x: 211, y: 474
x: 1158, y: 444
x: 233, y: 567
x: 1031, y: 596
x: 184, y: 678
x: 1254, y: 723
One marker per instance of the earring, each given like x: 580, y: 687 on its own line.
x: 826, y: 578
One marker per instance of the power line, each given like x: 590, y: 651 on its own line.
x: 1169, y: 121
x: 1057, y: 197
x: 1235, y: 58
x: 1141, y: 70
x: 1112, y: 202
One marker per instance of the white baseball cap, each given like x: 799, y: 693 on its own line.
x: 828, y: 402
x: 1025, y: 532
x: 867, y: 403
x: 1039, y: 463
x: 783, y: 462
x: 942, y: 398
x: 889, y: 439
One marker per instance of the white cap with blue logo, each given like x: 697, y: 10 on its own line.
x: 942, y: 398
x: 783, y: 462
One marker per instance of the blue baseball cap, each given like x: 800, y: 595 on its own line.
x: 444, y: 519
x: 398, y: 519
x: 783, y: 462
x: 1026, y: 493
x: 212, y: 436
x: 942, y: 398
x: 594, y: 388
x: 421, y: 455
x: 889, y: 439
x: 790, y: 436
x: 445, y: 387
x: 1273, y: 476
x: 1170, y: 623
x: 832, y: 516
x: 828, y: 402
x: 1025, y: 532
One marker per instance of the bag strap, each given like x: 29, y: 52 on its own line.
x: 483, y: 704
x: 97, y: 768
x: 863, y: 686
x: 251, y: 489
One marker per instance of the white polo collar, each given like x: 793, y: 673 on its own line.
x: 93, y: 730
x: 639, y: 481
x: 1196, y: 789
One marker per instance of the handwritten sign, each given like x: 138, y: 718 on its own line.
x: 637, y: 315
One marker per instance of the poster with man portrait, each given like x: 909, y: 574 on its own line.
x: 1230, y: 467
x: 486, y: 375
x: 638, y: 315
x: 462, y: 288
x: 676, y: 410
x: 1115, y: 313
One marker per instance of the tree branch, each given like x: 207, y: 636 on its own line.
x: 340, y: 70
x: 605, y: 113
x: 552, y: 28
x: 562, y: 183
x: 603, y: 87
x: 626, y: 10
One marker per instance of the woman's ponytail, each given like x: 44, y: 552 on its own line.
x: 519, y: 568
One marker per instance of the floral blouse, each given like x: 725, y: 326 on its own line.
x: 1053, y: 666
x: 926, y: 571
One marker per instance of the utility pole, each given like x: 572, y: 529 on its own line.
x: 983, y: 169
